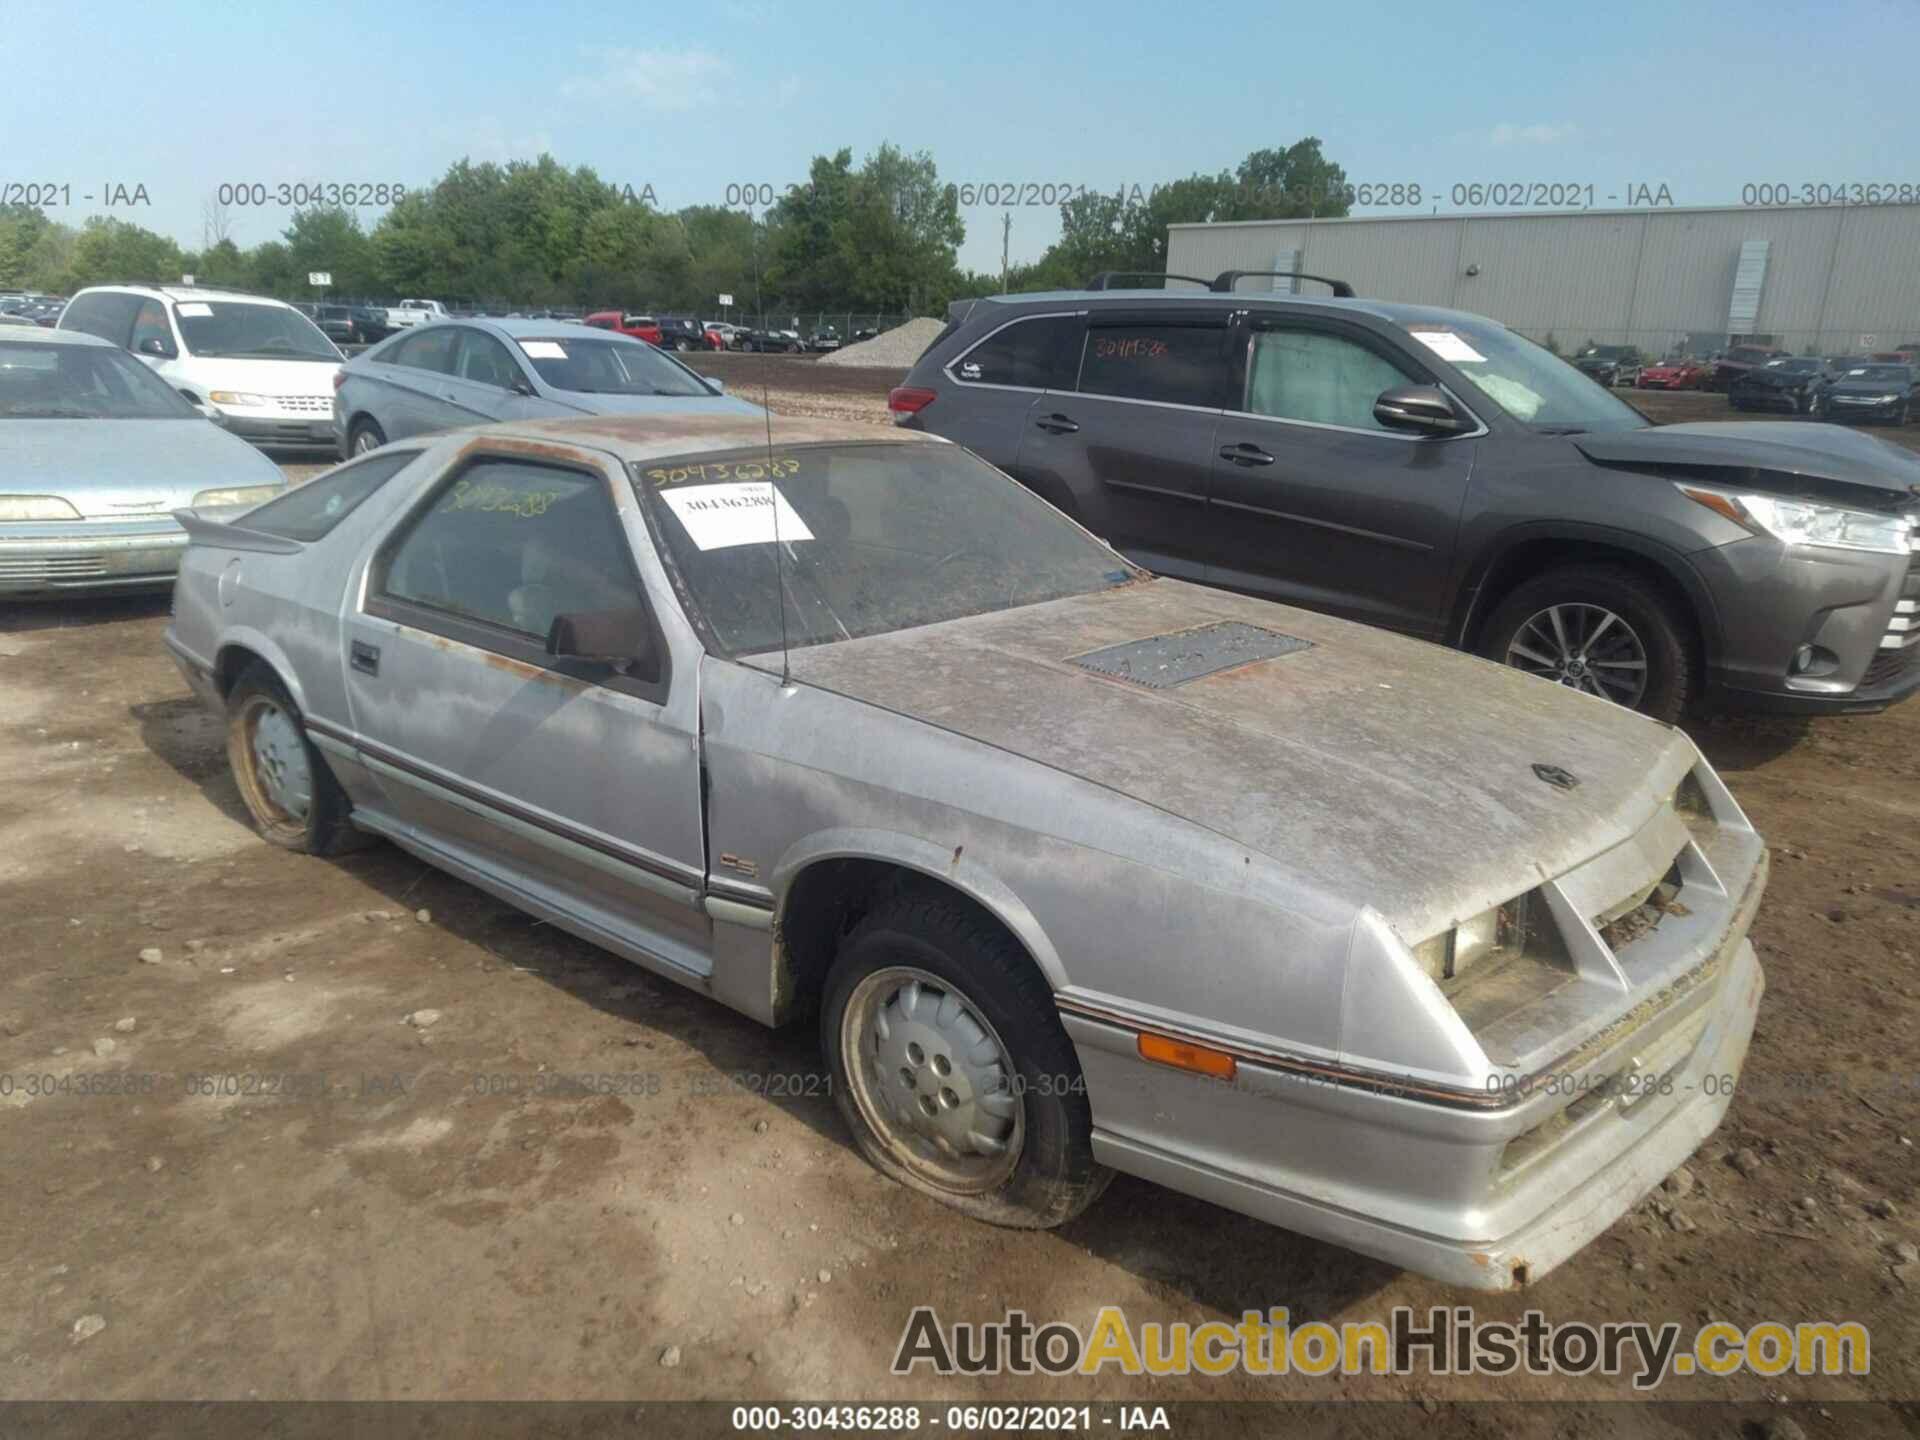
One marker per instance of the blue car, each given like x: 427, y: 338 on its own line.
x: 452, y: 374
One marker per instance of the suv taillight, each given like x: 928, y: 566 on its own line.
x: 339, y: 378
x: 906, y: 400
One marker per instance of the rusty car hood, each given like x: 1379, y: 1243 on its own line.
x: 1379, y: 769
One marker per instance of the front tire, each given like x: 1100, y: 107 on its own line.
x: 285, y: 784
x: 952, y: 1068
x: 1600, y: 629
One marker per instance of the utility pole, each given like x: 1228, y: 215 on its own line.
x: 1006, y: 236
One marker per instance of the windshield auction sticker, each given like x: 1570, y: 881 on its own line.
x: 1449, y: 346
x: 543, y: 349
x: 740, y: 513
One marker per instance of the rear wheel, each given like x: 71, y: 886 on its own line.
x: 952, y: 1068
x: 1600, y: 629
x: 288, y: 790
x: 365, y: 436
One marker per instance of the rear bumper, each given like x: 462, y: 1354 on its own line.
x: 80, y: 558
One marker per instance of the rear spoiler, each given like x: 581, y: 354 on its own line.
x: 204, y: 529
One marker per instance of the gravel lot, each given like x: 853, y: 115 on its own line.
x: 405, y: 1202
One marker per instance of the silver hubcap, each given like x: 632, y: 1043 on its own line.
x: 364, y: 441
x: 1585, y: 647
x: 280, y: 762
x: 932, y: 1078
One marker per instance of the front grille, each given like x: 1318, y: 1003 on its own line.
x: 1900, y: 647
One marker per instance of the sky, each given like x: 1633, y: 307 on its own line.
x: 1703, y: 98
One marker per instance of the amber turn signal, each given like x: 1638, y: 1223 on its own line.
x: 1163, y: 1050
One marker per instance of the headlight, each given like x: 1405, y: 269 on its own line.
x: 1452, y: 951
x: 239, y: 397
x: 236, y: 495
x: 1803, y: 522
x: 36, y: 507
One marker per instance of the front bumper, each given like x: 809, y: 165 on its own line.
x: 1859, y: 608
x: 281, y: 430
x: 1788, y: 401
x: 1471, y: 1197
x: 1839, y: 408
x: 83, y: 556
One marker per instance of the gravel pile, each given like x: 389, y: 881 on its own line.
x: 897, y: 349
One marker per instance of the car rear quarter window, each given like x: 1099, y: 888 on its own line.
x: 1032, y: 354
x: 1170, y: 364
x: 431, y: 349
x: 312, y: 510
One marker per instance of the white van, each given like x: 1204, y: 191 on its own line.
x: 256, y: 364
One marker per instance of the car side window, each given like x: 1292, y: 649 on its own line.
x: 1317, y: 377
x: 1172, y: 364
x: 151, y: 324
x: 107, y: 314
x: 511, y: 544
x: 485, y: 361
x: 310, y: 511
x: 429, y: 350
x: 1030, y: 354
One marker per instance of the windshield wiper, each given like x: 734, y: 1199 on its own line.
x: 1560, y: 429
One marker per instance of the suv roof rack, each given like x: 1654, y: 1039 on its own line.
x: 1106, y: 279
x: 1227, y: 280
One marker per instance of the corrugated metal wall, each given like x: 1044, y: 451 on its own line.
x: 1834, y: 275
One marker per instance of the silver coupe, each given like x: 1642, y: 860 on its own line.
x: 1080, y: 870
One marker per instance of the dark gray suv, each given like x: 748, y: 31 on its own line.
x: 1436, y: 473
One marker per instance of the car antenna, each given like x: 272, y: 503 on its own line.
x: 779, y: 571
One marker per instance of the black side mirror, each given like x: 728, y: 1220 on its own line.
x: 1423, y: 409
x: 154, y: 345
x: 620, y: 638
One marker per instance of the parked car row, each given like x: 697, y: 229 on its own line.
x: 30, y: 308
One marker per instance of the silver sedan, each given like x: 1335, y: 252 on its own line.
x: 445, y: 376
x: 96, y: 453
x: 1079, y: 870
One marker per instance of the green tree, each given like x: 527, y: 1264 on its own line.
x: 108, y: 250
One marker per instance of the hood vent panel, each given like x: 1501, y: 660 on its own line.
x: 1161, y: 662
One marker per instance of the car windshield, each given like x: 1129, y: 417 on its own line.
x: 1530, y: 383
x: 1894, y: 374
x: 83, y: 382
x: 589, y: 365
x: 873, y: 538
x: 244, y: 330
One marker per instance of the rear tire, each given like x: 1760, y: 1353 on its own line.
x: 981, y: 1056
x: 1644, y: 626
x: 365, y: 437
x: 284, y: 782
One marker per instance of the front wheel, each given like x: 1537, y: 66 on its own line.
x: 288, y: 790
x: 952, y: 1068
x: 1600, y: 629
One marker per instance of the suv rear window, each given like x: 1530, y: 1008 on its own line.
x: 1032, y: 354
x: 1173, y: 364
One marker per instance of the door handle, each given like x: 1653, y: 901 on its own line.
x: 364, y: 657
x: 1057, y: 424
x: 1245, y: 455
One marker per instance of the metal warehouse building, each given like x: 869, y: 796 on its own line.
x: 1826, y: 279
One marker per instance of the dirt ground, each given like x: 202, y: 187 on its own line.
x: 256, y: 1177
